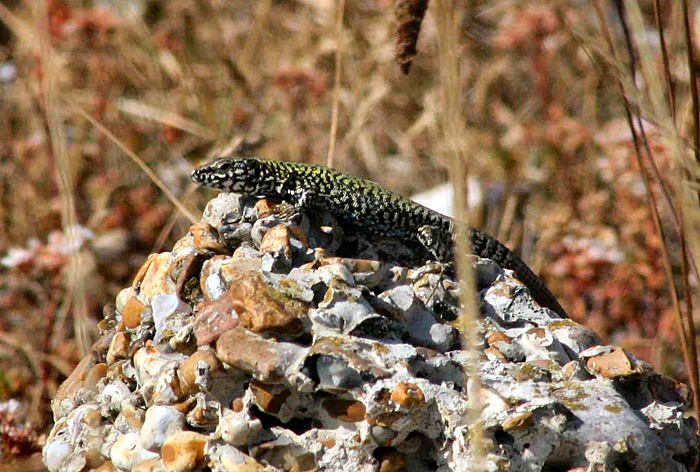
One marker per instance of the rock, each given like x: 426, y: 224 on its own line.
x: 364, y: 272
x: 206, y: 238
x: 119, y: 348
x: 159, y: 424
x: 407, y: 395
x: 131, y: 313
x: 334, y: 373
x: 55, y: 453
x: 612, y: 362
x: 390, y: 460
x: 238, y: 428
x: 127, y: 452
x: 66, y: 392
x: 196, y: 370
x: 184, y: 451
x: 94, y: 375
x: 254, y: 304
x: 149, y: 465
x: 269, y: 398
x: 265, y: 360
x: 170, y: 315
x: 345, y: 410
x: 423, y: 328
x: 156, y: 279
x: 293, y: 357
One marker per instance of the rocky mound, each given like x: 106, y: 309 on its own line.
x: 300, y: 345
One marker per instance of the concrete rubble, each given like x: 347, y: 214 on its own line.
x: 261, y: 343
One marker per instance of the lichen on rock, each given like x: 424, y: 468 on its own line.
x: 260, y: 343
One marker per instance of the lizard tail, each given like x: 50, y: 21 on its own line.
x: 486, y: 246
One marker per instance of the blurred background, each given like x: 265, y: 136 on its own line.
x: 551, y: 158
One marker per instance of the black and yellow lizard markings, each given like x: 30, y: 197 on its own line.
x: 365, y: 204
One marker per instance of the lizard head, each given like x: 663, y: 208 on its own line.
x: 239, y: 175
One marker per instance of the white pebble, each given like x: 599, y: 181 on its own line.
x: 127, y: 452
x: 55, y: 453
x: 160, y: 422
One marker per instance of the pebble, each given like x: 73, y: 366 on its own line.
x: 127, y: 452
x: 55, y: 453
x: 160, y: 422
x: 183, y: 451
x: 239, y: 428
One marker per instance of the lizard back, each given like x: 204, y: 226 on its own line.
x: 367, y: 205
x: 355, y: 200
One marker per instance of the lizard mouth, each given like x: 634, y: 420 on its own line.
x: 198, y: 176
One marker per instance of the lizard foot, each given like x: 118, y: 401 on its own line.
x: 286, y: 211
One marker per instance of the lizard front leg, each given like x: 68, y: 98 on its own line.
x: 437, y: 243
x: 287, y: 210
x: 433, y: 239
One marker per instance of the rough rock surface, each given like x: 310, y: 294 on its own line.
x: 301, y: 345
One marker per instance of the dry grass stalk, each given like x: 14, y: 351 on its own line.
x: 670, y: 93
x: 692, y: 71
x: 654, y: 105
x: 164, y: 117
x: 74, y: 300
x: 134, y: 157
x: 456, y: 139
x: 665, y: 114
x: 340, y: 14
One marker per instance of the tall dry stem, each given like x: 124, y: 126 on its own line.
x: 74, y: 301
x: 456, y: 143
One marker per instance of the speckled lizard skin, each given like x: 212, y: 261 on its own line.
x: 365, y: 204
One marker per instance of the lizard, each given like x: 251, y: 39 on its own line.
x: 367, y: 205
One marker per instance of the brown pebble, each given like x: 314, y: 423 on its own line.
x: 188, y: 369
x: 93, y: 418
x: 498, y: 336
x: 105, y: 325
x: 237, y: 405
x: 518, y: 421
x: 206, y: 238
x: 94, y: 375
x: 119, y: 348
x: 251, y: 353
x: 142, y: 272
x: 408, y: 395
x: 186, y: 406
x: 106, y: 466
x: 183, y: 451
x: 495, y: 353
x: 263, y: 207
x: 268, y: 397
x: 345, y: 410
x: 276, y: 240
x: 611, y: 365
x: 251, y: 302
x: 390, y: 460
x: 327, y: 443
x: 389, y: 418
x: 149, y: 465
x: 131, y: 314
